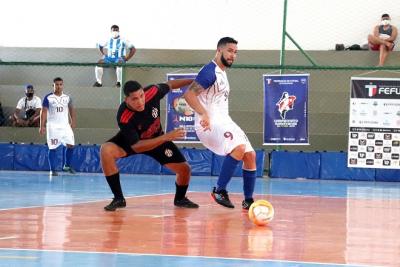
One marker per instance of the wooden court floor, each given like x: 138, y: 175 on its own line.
x: 316, y: 223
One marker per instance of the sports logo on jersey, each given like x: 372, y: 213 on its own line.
x: 372, y: 89
x: 285, y: 103
x: 168, y: 153
x: 154, y: 113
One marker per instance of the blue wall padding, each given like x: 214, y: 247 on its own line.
x: 200, y: 161
x: 86, y: 158
x: 6, y: 156
x: 387, y: 175
x: 218, y: 160
x: 140, y: 163
x: 285, y: 164
x: 334, y: 167
x: 29, y: 157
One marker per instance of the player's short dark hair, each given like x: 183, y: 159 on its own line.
x: 385, y: 15
x: 114, y: 27
x: 57, y: 79
x: 226, y: 40
x: 130, y: 87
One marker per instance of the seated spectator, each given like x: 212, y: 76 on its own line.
x: 114, y: 50
x: 2, y: 117
x: 27, y: 112
x: 383, y: 38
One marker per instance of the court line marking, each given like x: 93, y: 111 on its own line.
x: 313, y: 196
x: 184, y: 256
x: 8, y: 237
x: 163, y: 194
x: 83, y: 202
x: 19, y: 257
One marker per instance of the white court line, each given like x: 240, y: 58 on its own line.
x: 187, y: 256
x: 18, y: 257
x: 84, y: 202
x: 8, y: 237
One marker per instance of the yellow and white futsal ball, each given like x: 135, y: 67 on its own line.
x: 261, y: 212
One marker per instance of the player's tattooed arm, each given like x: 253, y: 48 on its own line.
x: 191, y: 98
x: 174, y: 84
x: 196, y: 88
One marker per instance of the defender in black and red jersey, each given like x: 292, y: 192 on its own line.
x: 141, y: 132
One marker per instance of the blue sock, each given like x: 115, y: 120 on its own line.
x: 228, y: 167
x: 68, y: 156
x: 249, y: 180
x: 52, y: 159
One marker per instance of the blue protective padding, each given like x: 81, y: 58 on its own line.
x: 86, y: 158
x: 29, y: 157
x: 139, y: 164
x: 334, y: 167
x: 200, y: 161
x: 285, y: 164
x: 218, y: 160
x: 6, y: 156
x: 387, y: 175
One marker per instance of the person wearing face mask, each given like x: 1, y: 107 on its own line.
x: 383, y: 38
x: 113, y: 50
x: 27, y: 112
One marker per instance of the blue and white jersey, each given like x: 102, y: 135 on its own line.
x: 116, y: 48
x: 215, y: 96
x: 57, y: 106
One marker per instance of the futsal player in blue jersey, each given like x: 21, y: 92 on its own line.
x: 113, y: 50
x: 208, y: 96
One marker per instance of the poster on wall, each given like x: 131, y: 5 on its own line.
x: 179, y: 114
x: 286, y: 109
x: 374, y: 123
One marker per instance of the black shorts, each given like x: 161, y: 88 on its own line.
x: 166, y: 153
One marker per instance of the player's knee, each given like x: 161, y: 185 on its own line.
x: 239, y: 151
x: 107, y: 149
x: 184, y: 169
x: 250, y: 156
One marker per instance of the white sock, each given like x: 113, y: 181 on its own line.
x: 119, y: 74
x: 99, y: 74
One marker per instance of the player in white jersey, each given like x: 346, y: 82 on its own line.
x: 30, y: 106
x: 208, y: 96
x: 116, y: 52
x: 57, y: 119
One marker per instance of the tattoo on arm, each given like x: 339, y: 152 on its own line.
x: 196, y: 88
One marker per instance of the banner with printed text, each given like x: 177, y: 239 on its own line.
x: 374, y: 123
x: 179, y: 114
x: 286, y: 109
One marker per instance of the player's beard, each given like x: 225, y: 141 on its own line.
x: 224, y: 62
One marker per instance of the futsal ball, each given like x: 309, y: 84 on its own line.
x: 181, y: 106
x: 261, y: 212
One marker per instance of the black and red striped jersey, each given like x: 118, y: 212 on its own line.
x: 145, y: 124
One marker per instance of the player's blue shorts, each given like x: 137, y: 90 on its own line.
x: 108, y: 59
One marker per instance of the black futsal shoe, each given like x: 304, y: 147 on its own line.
x: 185, y: 203
x: 222, y: 198
x: 247, y: 203
x: 68, y: 169
x: 97, y: 84
x: 116, y: 204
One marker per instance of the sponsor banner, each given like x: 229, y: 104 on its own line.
x: 374, y: 123
x: 286, y: 109
x: 179, y: 114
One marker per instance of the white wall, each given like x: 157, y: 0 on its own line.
x: 191, y: 24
